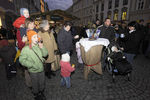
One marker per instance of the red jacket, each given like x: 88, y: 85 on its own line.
x: 66, y: 69
x: 17, y: 23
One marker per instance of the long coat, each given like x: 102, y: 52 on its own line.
x: 50, y: 44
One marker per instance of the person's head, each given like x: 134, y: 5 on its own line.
x: 97, y: 22
x: 67, y: 26
x: 65, y: 57
x: 132, y: 25
x: 116, y: 27
x: 141, y: 22
x: 24, y: 12
x: 45, y: 25
x: 29, y: 24
x: 107, y: 22
x: 32, y: 37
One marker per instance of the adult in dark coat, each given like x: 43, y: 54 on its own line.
x: 64, y: 39
x: 107, y: 31
x: 131, y: 43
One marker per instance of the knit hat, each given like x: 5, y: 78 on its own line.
x: 21, y: 11
x: 30, y: 33
x: 44, y: 23
x: 65, y: 57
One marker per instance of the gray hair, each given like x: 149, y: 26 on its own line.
x: 44, y: 23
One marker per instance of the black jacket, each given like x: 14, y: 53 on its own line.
x: 64, y: 40
x: 8, y: 53
x: 131, y: 42
x: 108, y: 33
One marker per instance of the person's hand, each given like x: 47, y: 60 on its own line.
x: 22, y: 25
x: 76, y: 37
x: 40, y: 45
x: 73, y: 65
x: 24, y: 39
x: 122, y: 48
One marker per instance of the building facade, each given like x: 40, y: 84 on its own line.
x: 140, y: 9
x: 33, y: 6
x: 116, y: 10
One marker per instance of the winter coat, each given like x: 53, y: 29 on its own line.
x: 8, y: 53
x: 19, y: 39
x: 50, y: 44
x: 107, y: 32
x: 19, y: 21
x: 131, y: 42
x: 66, y: 69
x: 64, y: 40
x: 30, y: 60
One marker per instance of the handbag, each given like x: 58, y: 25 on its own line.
x: 11, y: 70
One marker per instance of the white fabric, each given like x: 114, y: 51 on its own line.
x: 65, y: 57
x: 87, y: 44
x: 79, y: 53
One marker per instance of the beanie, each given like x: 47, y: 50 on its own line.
x: 21, y: 11
x: 65, y: 57
x: 30, y: 33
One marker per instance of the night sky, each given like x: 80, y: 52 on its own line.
x: 59, y: 4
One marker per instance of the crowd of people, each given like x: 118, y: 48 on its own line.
x: 39, y: 51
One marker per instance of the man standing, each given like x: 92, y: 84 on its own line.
x: 107, y: 31
x: 64, y: 39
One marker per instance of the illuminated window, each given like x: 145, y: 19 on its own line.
x: 115, y: 15
x: 124, y: 14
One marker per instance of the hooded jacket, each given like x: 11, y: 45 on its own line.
x: 66, y: 68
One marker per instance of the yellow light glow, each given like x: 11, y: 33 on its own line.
x: 124, y: 15
x: 116, y: 16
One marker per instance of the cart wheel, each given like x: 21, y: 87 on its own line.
x: 109, y: 68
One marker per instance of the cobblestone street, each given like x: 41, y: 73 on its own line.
x: 98, y: 87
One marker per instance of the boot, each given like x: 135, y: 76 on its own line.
x: 41, y: 95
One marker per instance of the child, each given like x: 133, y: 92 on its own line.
x: 66, y: 70
x: 120, y: 61
x: 32, y: 57
x: 19, y: 23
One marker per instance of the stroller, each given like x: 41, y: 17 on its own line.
x: 116, y: 63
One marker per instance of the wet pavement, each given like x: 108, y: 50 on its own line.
x: 98, y: 87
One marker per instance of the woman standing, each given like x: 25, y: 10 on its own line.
x: 49, y: 42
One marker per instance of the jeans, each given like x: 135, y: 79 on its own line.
x: 130, y: 57
x: 65, y: 80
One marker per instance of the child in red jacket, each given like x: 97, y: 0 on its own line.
x: 66, y: 70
